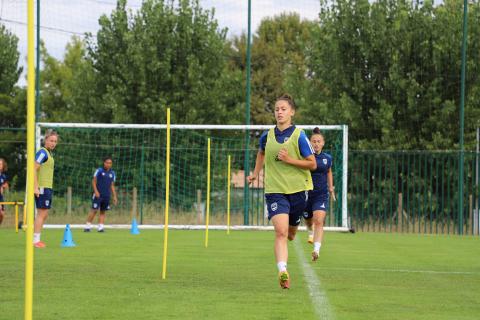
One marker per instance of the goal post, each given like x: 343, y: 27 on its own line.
x: 138, y: 152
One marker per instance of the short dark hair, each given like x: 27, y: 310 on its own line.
x: 288, y: 98
x: 107, y: 158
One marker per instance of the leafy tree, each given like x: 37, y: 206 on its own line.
x: 391, y: 71
x: 278, y: 48
x: 165, y: 55
x: 68, y: 86
x: 12, y: 107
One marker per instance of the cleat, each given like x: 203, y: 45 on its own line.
x: 284, y: 279
x: 86, y: 230
x: 101, y: 230
x: 310, y: 239
x: 314, y: 256
x: 39, y: 244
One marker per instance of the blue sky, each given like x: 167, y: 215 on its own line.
x: 60, y: 19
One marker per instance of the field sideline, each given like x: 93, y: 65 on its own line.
x: 361, y: 276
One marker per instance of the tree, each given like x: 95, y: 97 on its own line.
x: 390, y: 70
x: 12, y: 107
x: 278, y: 49
x: 165, y: 55
x: 68, y: 86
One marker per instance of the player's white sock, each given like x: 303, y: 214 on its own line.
x: 36, y: 237
x: 100, y: 226
x: 317, y: 246
x: 89, y: 225
x: 282, y: 266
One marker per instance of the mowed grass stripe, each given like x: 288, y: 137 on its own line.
x: 317, y: 294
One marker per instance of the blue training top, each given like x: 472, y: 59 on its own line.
x: 3, y: 179
x: 104, y: 181
x: 282, y: 136
x: 319, y: 176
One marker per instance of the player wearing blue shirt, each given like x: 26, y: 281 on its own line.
x: 103, y: 184
x: 3, y: 186
x: 288, y: 157
x: 318, y: 198
x: 43, y: 184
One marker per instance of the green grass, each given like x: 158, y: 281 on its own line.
x: 118, y: 276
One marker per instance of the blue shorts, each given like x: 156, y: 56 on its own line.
x: 2, y: 207
x: 102, y: 203
x: 44, y: 200
x: 293, y: 204
x: 316, y: 201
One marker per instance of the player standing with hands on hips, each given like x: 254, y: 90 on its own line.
x: 103, y: 184
x: 288, y: 157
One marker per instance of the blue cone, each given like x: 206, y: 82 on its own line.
x: 67, y: 238
x: 134, y: 228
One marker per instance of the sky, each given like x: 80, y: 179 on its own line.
x: 61, y: 19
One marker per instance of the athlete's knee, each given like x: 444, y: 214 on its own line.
x: 292, y: 232
x: 281, y: 233
x: 319, y: 222
x: 309, y: 222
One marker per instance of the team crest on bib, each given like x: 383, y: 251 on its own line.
x: 274, y: 206
x: 285, y: 140
x: 110, y: 175
x: 325, y: 161
x: 103, y: 173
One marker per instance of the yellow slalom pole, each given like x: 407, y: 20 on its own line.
x: 16, y: 218
x: 30, y: 162
x: 228, y: 195
x: 208, y: 195
x: 167, y: 196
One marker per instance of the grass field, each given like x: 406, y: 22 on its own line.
x: 361, y: 276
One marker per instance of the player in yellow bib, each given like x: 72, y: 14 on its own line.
x: 43, y: 181
x: 288, y: 157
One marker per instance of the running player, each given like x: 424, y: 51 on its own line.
x: 318, y: 198
x: 103, y: 184
x: 288, y: 157
x: 43, y: 184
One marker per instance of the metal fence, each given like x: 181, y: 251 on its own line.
x: 388, y: 191
x: 413, y: 192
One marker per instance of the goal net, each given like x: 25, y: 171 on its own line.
x: 139, y: 157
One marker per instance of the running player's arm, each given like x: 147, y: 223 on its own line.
x: 258, y: 166
x: 308, y: 162
x: 260, y: 160
x: 331, y: 188
x: 94, y: 184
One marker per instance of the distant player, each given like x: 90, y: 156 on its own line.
x: 3, y: 186
x: 288, y: 158
x: 103, y: 184
x: 43, y: 184
x: 318, y: 198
